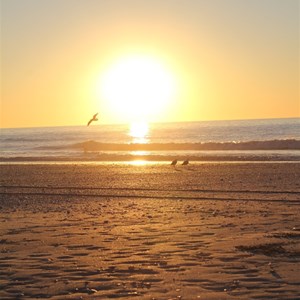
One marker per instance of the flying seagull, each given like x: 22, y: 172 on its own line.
x: 94, y: 118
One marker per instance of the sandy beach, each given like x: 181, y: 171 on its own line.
x: 123, y: 231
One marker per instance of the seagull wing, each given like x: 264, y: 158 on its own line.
x: 94, y: 118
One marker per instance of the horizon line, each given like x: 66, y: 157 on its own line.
x: 167, y: 122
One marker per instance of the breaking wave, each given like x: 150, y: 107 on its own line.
x: 288, y: 144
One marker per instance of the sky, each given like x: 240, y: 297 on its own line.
x: 164, y: 61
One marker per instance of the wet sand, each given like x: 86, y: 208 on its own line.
x: 202, y: 231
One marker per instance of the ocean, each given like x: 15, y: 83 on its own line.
x: 242, y: 140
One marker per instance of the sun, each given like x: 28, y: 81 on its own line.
x: 137, y: 87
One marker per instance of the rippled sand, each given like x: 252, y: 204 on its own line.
x: 202, y: 231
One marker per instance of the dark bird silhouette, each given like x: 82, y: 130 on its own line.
x: 186, y: 162
x: 94, y: 118
x: 174, y: 162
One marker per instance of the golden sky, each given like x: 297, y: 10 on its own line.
x: 64, y: 60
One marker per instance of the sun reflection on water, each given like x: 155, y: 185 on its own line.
x: 139, y: 162
x: 139, y: 132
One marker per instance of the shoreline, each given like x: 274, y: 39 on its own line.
x: 142, y: 162
x: 95, y: 157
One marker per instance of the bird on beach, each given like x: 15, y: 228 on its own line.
x: 186, y: 162
x: 94, y: 118
x: 174, y: 162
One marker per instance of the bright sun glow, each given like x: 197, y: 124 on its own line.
x: 139, y: 162
x: 137, y: 88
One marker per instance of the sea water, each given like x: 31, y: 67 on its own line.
x: 268, y: 139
